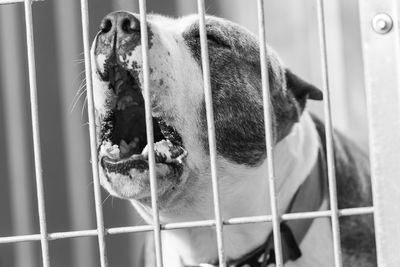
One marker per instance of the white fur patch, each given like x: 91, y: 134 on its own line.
x: 245, y: 192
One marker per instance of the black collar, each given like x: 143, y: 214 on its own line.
x: 308, y: 197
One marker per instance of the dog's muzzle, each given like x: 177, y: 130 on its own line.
x: 119, y: 34
x: 122, y: 128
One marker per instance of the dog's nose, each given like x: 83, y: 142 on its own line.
x: 120, y: 23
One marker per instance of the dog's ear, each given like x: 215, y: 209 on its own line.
x: 301, y: 89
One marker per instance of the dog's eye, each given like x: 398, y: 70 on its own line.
x: 215, y: 40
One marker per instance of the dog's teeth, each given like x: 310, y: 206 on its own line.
x: 110, y: 150
x: 133, y: 144
x: 145, y: 151
x: 123, y: 147
x: 162, y: 147
x: 165, y: 152
x: 123, y: 143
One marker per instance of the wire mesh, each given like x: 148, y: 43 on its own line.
x: 191, y: 224
x: 44, y: 237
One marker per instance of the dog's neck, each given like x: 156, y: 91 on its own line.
x: 244, y: 191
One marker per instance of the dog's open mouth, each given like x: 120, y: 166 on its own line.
x: 123, y: 132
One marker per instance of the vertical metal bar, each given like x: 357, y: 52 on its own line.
x: 18, y: 157
x: 381, y: 52
x: 337, y: 68
x: 75, y: 138
x: 92, y: 133
x: 269, y: 139
x: 134, y: 242
x: 149, y: 132
x: 329, y: 136
x: 211, y: 130
x: 36, y: 132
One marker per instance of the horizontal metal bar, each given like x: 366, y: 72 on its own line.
x: 130, y: 229
x: 356, y: 211
x: 19, y: 238
x: 5, y: 2
x: 300, y: 216
x: 180, y: 225
x: 194, y: 224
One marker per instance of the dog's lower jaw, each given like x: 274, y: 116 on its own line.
x: 244, y: 191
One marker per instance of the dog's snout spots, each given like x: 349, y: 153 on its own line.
x: 118, y: 38
x: 119, y: 35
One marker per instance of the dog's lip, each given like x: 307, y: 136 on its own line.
x: 172, y: 157
x: 124, y: 165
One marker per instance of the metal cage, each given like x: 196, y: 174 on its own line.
x: 381, y: 50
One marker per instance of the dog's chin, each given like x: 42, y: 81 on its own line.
x: 130, y: 178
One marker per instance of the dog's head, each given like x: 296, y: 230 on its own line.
x: 178, y: 106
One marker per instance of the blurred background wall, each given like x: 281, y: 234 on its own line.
x: 292, y: 31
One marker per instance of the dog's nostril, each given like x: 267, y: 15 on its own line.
x: 105, y: 26
x: 130, y: 25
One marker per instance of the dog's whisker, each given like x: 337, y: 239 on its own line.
x: 79, y: 77
x: 104, y: 201
x: 83, y: 107
x: 82, y: 83
x: 140, y: 221
x: 79, y: 60
x: 83, y: 91
x: 208, y: 10
x: 90, y: 183
x: 82, y: 86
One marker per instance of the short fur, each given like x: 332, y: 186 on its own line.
x: 177, y: 99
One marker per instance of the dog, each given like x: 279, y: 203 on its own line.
x: 182, y: 152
